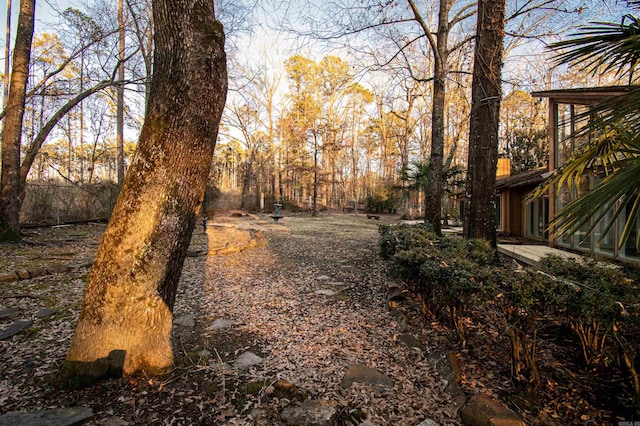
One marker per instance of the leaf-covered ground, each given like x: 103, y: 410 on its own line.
x: 310, y: 302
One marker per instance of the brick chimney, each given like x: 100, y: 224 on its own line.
x: 504, y: 167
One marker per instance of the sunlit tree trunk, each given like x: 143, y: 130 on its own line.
x: 125, y: 321
x: 486, y: 93
x: 120, y: 97
x: 12, y: 125
x: 7, y: 55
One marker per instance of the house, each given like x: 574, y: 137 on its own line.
x: 511, y: 191
x: 565, y: 105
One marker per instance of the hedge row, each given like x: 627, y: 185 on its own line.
x: 461, y: 280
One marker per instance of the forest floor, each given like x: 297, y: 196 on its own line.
x: 256, y: 332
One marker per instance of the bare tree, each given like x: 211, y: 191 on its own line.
x: 12, y: 125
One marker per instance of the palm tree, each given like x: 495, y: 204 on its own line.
x: 613, y: 127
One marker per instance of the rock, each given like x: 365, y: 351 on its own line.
x: 23, y: 274
x: 482, y: 410
x: 247, y: 360
x: 45, y: 313
x: 428, y: 422
x: 286, y: 389
x: 196, y: 253
x: 8, y: 313
x: 57, y: 268
x: 323, y: 278
x: 113, y: 421
x: 401, y: 319
x: 227, y: 239
x: 14, y: 329
x: 263, y: 417
x: 220, y: 324
x: 7, y: 277
x: 37, y: 271
x: 325, y: 292
x: 341, y: 287
x: 446, y: 364
x: 411, y: 341
x: 363, y: 374
x: 81, y: 263
x: 57, y: 417
x: 310, y: 413
x: 185, y: 321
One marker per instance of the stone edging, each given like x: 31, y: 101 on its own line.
x: 38, y: 271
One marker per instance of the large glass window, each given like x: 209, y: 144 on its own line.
x: 571, y: 119
x: 563, y: 134
x: 629, y: 251
x: 605, y: 243
x: 583, y: 237
x: 562, y: 200
x: 499, y: 212
x: 537, y: 218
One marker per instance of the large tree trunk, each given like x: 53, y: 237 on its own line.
x: 486, y: 93
x: 433, y: 206
x: 12, y: 126
x: 126, y: 318
x: 120, y: 97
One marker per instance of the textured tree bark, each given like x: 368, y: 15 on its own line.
x: 486, y: 93
x: 120, y: 98
x: 126, y: 319
x: 433, y: 201
x: 12, y: 126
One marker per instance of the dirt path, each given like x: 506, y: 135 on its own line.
x: 305, y: 308
x: 312, y: 303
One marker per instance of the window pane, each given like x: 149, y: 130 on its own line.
x: 629, y: 250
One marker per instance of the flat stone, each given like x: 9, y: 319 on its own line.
x: 263, y: 417
x: 15, y: 328
x: 341, y: 287
x: 58, y: 417
x: 401, y: 318
x: 310, y: 412
x: 323, y: 278
x: 220, y: 324
x: 428, y: 422
x: 325, y: 292
x: 37, y: 271
x: 8, y: 313
x: 7, y: 277
x: 446, y: 364
x: 57, y: 268
x: 411, y: 341
x: 113, y: 421
x: 247, y: 360
x: 482, y: 410
x: 362, y: 374
x: 45, y: 313
x: 185, y: 321
x: 81, y: 263
x: 23, y: 274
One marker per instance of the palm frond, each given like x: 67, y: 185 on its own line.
x: 615, y: 193
x: 602, y: 47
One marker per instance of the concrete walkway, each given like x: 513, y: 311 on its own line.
x: 531, y: 254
